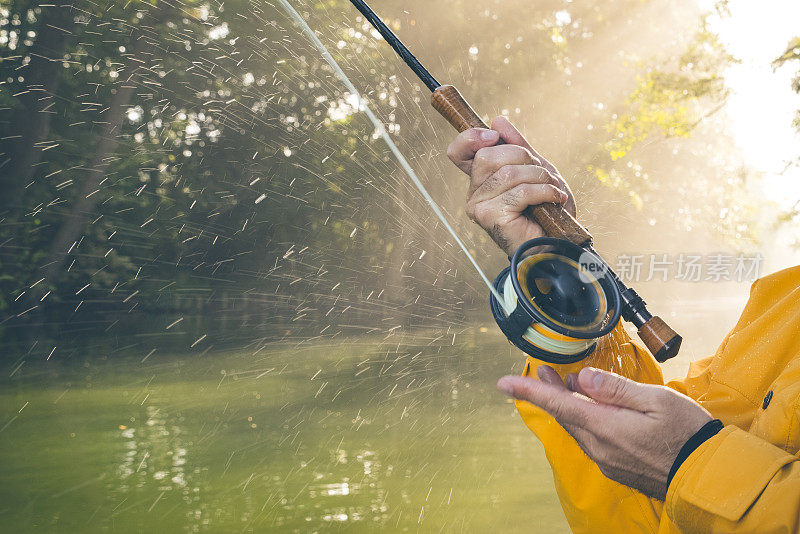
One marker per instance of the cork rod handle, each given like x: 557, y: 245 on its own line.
x: 659, y: 338
x: 553, y: 218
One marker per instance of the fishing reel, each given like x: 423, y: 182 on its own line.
x: 557, y: 300
x: 553, y: 304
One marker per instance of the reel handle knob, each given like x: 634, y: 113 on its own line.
x: 553, y: 218
x: 661, y: 340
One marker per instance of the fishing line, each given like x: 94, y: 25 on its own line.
x: 558, y: 296
x: 376, y: 122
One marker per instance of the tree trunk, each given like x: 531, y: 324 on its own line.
x: 75, y: 221
x: 398, y: 259
x: 43, y: 77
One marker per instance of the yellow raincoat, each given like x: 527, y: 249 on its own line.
x: 744, y: 479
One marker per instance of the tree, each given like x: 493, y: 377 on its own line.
x: 201, y: 162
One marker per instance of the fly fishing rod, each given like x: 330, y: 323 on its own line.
x: 561, y: 294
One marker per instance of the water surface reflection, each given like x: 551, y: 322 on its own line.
x: 362, y: 433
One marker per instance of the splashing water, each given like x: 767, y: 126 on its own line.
x: 379, y: 127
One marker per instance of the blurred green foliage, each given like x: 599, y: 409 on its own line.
x: 790, y: 55
x: 197, y: 158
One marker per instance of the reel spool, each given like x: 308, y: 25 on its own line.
x: 556, y: 301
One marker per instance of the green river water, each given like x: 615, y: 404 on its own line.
x: 399, y: 433
x: 296, y: 438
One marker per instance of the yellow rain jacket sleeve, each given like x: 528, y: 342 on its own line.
x: 744, y: 479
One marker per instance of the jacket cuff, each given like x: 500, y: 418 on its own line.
x: 723, y: 477
x: 706, y: 432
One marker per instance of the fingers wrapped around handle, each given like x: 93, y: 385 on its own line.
x: 555, y: 221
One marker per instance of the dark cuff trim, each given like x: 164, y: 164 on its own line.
x: 706, y: 432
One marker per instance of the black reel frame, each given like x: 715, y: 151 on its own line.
x: 525, y: 314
